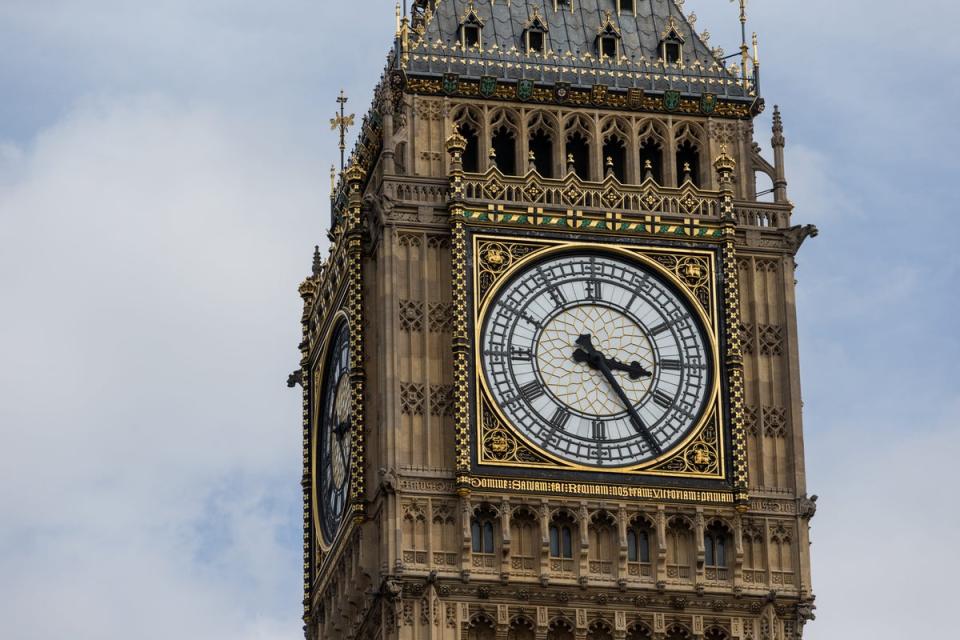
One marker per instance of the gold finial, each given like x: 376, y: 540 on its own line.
x: 756, y: 51
x: 343, y: 122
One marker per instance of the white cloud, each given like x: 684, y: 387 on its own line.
x: 151, y: 450
x: 884, y: 534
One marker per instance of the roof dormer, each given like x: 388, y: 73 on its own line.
x: 671, y: 43
x: 471, y: 29
x: 608, y: 39
x: 535, y: 34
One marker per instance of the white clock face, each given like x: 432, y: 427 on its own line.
x: 596, y: 359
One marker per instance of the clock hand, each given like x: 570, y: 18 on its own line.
x: 587, y: 351
x: 596, y: 360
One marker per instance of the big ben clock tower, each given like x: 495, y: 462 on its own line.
x: 550, y: 365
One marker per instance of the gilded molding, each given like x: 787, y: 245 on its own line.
x: 496, y: 258
x: 725, y: 166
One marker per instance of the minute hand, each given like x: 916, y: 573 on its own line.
x: 634, y: 416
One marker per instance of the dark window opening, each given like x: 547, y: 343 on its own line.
x: 482, y: 533
x: 688, y: 163
x: 561, y: 541
x: 615, y: 158
x: 715, y: 543
x: 608, y: 47
x: 626, y: 5
x: 638, y: 546
x: 505, y: 146
x: 651, y: 160
x: 471, y: 35
x: 541, y: 145
x: 672, y: 52
x: 535, y: 41
x: 578, y: 155
x: 471, y: 155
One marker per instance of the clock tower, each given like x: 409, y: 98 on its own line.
x: 550, y: 366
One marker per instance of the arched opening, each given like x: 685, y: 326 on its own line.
x: 504, y: 145
x: 679, y: 550
x: 688, y: 163
x: 651, y: 160
x: 563, y: 534
x: 615, y: 158
x: 484, y: 538
x: 763, y: 185
x: 471, y: 155
x: 522, y: 629
x: 525, y: 546
x: 600, y: 631
x: 541, y: 146
x: 482, y: 628
x: 639, y: 543
x: 639, y: 631
x: 560, y: 630
x: 716, y: 544
x: 603, y: 549
x: 578, y: 155
x: 716, y: 633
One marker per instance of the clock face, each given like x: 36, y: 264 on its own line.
x: 596, y: 359
x: 332, y: 472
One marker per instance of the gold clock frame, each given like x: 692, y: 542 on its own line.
x: 338, y: 319
x: 702, y: 454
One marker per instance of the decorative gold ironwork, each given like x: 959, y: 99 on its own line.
x: 499, y: 444
x: 725, y: 167
x: 497, y: 258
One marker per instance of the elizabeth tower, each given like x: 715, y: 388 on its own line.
x: 550, y: 366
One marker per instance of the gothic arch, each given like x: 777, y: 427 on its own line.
x: 504, y: 134
x: 525, y: 541
x: 481, y: 627
x: 604, y: 548
x: 469, y: 122
x: 617, y: 148
x: 578, y: 134
x: 690, y: 150
x: 652, y: 145
x: 543, y: 140
x: 639, y: 631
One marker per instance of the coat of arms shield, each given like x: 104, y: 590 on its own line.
x: 708, y: 103
x: 525, y: 89
x: 451, y: 82
x: 488, y: 86
x: 635, y: 98
x: 561, y: 91
x: 599, y: 94
x: 671, y: 100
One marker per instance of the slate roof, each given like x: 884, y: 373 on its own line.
x: 571, y: 43
x: 570, y: 31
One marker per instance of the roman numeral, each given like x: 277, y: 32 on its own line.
x: 531, y: 391
x: 599, y: 430
x: 594, y: 290
x: 559, y: 420
x: 660, y: 328
x: 521, y: 354
x: 671, y: 365
x: 662, y: 399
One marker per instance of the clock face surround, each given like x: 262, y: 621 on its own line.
x: 333, y: 437
x: 596, y: 359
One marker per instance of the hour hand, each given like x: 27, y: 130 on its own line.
x: 635, y: 369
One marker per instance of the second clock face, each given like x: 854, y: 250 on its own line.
x: 334, y: 434
x: 596, y: 359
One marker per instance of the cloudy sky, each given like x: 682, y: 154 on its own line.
x: 163, y: 177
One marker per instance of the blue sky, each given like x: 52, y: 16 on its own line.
x: 163, y: 178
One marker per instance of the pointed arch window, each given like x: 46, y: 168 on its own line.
x: 671, y: 43
x: 608, y: 39
x: 535, y: 34
x: 471, y: 29
x: 716, y: 544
